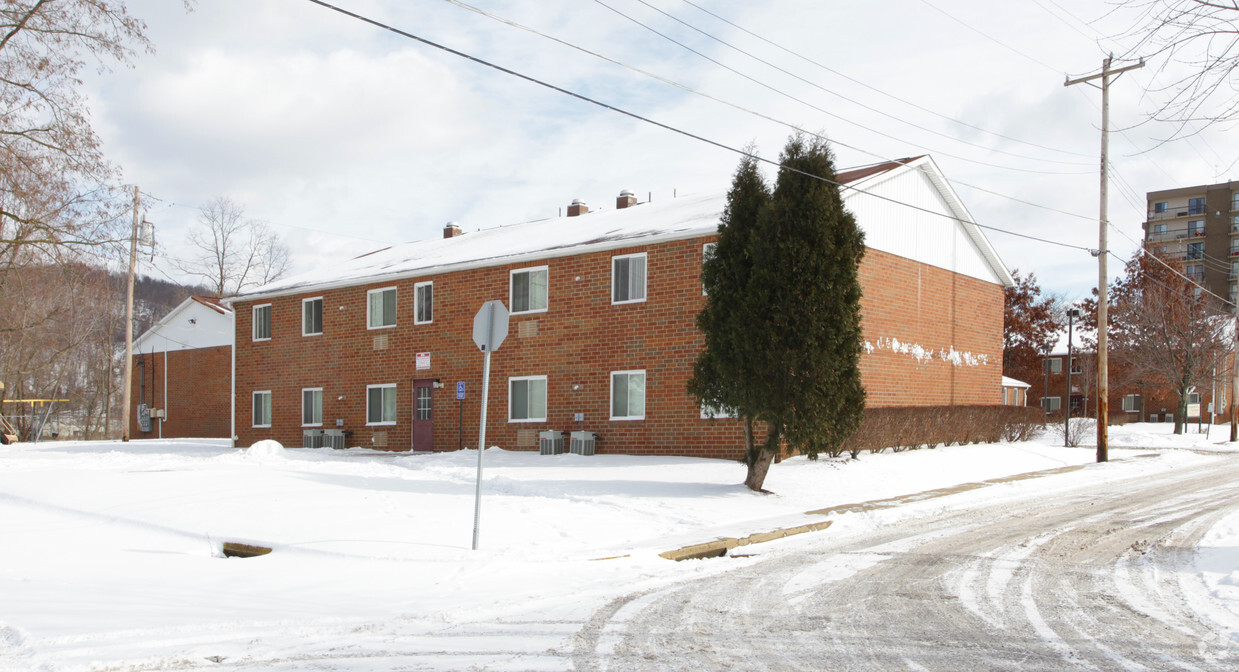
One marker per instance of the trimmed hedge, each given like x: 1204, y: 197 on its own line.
x: 906, y: 428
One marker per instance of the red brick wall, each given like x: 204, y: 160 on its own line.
x: 198, y: 393
x: 914, y: 314
x: 578, y: 342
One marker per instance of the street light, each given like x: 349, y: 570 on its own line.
x: 1072, y: 315
x: 1045, y: 381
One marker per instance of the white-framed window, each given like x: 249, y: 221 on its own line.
x: 1159, y: 206
x: 262, y: 408
x: 1004, y: 397
x: 707, y: 251
x: 1054, y: 364
x: 1234, y: 201
x: 1159, y: 229
x: 381, y: 404
x: 1131, y: 403
x: 1196, y: 206
x: 628, y: 278
x: 527, y: 399
x: 1197, y: 250
x: 423, y: 302
x: 709, y: 412
x: 312, y: 407
x: 529, y: 290
x: 1193, y: 397
x: 381, y: 308
x: 312, y: 316
x: 1051, y: 404
x: 628, y: 395
x: 1075, y: 366
x: 262, y: 322
x: 1196, y: 227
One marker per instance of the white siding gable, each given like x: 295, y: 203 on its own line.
x: 931, y: 234
x: 189, y: 326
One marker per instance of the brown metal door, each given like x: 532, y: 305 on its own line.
x: 423, y: 415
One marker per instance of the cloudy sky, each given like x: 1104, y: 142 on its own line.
x: 345, y: 137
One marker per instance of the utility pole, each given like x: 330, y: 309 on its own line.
x: 1103, y: 367
x: 133, y: 262
x: 1234, y: 379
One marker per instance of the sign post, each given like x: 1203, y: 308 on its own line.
x: 460, y: 415
x: 490, y: 327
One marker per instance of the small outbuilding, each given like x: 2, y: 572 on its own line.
x: 182, y: 373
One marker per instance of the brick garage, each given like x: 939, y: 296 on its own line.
x: 933, y: 335
x: 182, y: 371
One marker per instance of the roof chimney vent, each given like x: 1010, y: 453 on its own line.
x: 578, y: 207
x: 626, y: 199
x: 451, y: 230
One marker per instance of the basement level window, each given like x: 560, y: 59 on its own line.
x: 262, y: 408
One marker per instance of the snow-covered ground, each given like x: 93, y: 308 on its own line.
x: 110, y: 553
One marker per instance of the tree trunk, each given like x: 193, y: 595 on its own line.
x: 756, y: 458
x: 1180, y: 416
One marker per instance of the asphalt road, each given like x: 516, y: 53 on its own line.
x: 1092, y: 579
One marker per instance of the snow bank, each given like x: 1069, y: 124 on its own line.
x: 111, y: 549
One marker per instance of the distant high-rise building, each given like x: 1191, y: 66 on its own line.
x: 1199, y: 228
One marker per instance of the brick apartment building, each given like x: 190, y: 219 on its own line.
x: 602, y: 334
x: 182, y: 373
x: 1132, y: 399
x: 1198, y: 227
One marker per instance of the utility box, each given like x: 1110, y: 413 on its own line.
x: 551, y: 442
x: 311, y: 438
x: 582, y: 443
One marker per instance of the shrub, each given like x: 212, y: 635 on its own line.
x: 907, y: 428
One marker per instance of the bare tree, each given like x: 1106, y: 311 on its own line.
x: 54, y: 181
x: 1165, y: 330
x: 1195, y: 46
x: 56, y: 312
x: 232, y: 253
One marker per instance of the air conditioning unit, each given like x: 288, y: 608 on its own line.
x: 551, y: 442
x: 334, y: 438
x: 311, y: 438
x: 582, y: 443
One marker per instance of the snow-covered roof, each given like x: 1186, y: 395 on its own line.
x: 1011, y: 382
x: 938, y: 221
x: 1082, y: 340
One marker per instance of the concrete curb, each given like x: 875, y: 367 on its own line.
x: 720, y: 547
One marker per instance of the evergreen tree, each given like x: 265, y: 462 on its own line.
x: 722, y: 370
x: 783, y: 335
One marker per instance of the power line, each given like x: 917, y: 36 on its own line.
x: 880, y: 91
x: 828, y: 113
x: 850, y: 100
x: 688, y: 89
x: 991, y: 38
x: 652, y: 122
